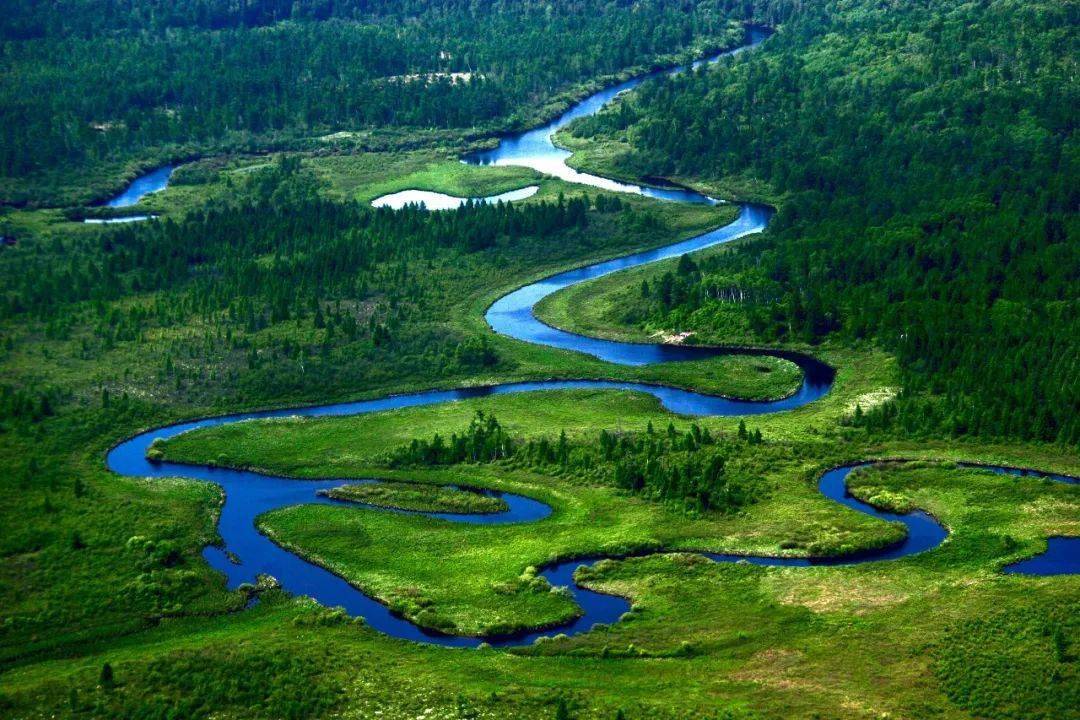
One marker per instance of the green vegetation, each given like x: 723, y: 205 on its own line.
x: 613, y: 307
x: 922, y: 160
x: 977, y: 662
x: 680, y: 603
x: 246, y: 296
x: 764, y: 628
x: 367, y: 176
x: 188, y: 684
x: 415, y: 496
x: 665, y: 466
x: 110, y: 329
x: 190, y: 78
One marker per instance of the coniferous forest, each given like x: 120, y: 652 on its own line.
x: 343, y: 376
x: 927, y: 163
x: 121, y: 82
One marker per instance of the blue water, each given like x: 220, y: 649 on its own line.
x: 441, y: 201
x: 535, y: 149
x: 142, y: 186
x: 513, y: 315
x: 249, y: 494
x: 1021, y: 472
x: 1062, y: 557
x: 115, y: 220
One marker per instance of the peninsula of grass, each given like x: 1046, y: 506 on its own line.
x: 604, y: 308
x: 418, y: 497
x: 366, y: 176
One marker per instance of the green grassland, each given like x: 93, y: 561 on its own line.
x: 599, y: 308
x: 107, y: 569
x: 57, y: 596
x: 596, y: 308
x: 460, y: 286
x: 361, y: 176
x: 365, y: 176
x: 907, y: 637
x: 793, y: 515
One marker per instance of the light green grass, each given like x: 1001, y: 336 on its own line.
x: 366, y: 176
x: 366, y: 547
x: 783, y: 640
x: 599, y: 307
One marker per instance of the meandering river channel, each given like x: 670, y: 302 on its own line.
x: 246, y: 553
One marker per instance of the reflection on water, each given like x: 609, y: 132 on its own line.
x: 535, y: 148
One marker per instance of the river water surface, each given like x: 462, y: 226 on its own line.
x: 154, y: 181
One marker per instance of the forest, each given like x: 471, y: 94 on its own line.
x: 661, y: 466
x: 927, y: 163
x: 87, y: 83
x: 275, y: 276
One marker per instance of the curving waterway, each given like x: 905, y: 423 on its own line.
x: 151, y: 182
x: 245, y: 553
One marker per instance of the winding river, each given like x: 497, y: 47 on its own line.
x: 148, y: 183
x: 154, y: 181
x: 245, y: 553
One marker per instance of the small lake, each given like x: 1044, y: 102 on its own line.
x: 441, y: 201
x: 115, y: 220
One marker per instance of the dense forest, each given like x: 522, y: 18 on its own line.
x: 89, y: 82
x: 275, y: 277
x: 320, y: 249
x: 927, y: 162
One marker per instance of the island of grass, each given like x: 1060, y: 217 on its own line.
x: 418, y: 497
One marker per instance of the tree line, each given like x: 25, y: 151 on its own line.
x: 687, y: 468
x: 274, y: 291
x: 274, y: 252
x: 109, y: 80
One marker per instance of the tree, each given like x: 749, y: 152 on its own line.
x: 105, y: 679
